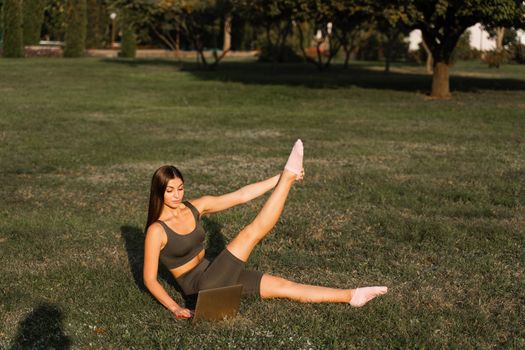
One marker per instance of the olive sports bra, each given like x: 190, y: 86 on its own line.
x: 182, y: 248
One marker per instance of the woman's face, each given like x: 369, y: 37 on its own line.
x: 174, y: 192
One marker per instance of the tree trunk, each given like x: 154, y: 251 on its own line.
x: 430, y: 61
x: 500, y: 32
x: 281, y: 40
x: 301, y: 44
x: 440, y: 81
x: 333, y: 50
x: 268, y: 34
x: 319, y: 55
x: 199, y: 48
x: 177, y: 43
x: 227, y: 33
x: 387, y: 56
x: 343, y: 39
x: 392, y: 34
x: 347, y: 59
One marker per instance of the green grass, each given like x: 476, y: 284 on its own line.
x: 424, y: 196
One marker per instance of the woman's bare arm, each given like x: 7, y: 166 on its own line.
x: 213, y: 204
x: 152, y: 245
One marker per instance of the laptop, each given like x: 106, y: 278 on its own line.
x: 218, y: 303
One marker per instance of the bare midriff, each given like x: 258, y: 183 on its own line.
x: 190, y: 265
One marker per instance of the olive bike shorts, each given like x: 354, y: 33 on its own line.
x: 225, y: 270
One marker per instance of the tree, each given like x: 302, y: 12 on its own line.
x: 503, y: 36
x: 12, y: 26
x: 128, y: 47
x: 319, y: 16
x: 76, y: 24
x: 166, y: 29
x: 136, y: 17
x: 55, y: 18
x: 1, y: 20
x: 275, y: 18
x: 337, y: 24
x: 33, y: 18
x: 391, y: 23
x: 443, y: 21
x: 198, y: 20
x: 463, y: 50
x: 351, y: 27
x: 97, y: 23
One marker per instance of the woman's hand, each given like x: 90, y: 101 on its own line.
x: 181, y: 312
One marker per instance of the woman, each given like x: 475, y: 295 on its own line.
x: 176, y: 238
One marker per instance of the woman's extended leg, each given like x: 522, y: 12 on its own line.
x: 277, y: 287
x: 242, y: 245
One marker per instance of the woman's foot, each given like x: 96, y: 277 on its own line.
x: 364, y: 295
x: 295, y: 160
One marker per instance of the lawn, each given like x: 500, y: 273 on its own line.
x: 424, y: 196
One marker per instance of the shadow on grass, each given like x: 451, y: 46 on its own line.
x: 363, y: 75
x: 42, y: 329
x: 216, y: 242
x: 134, y: 241
x: 137, y: 62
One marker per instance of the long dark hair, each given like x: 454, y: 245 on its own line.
x: 159, y: 182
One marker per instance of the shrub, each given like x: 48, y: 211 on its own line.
x: 272, y: 53
x: 1, y: 23
x: 33, y: 14
x: 12, y: 25
x: 128, y: 46
x: 75, y: 28
x: 517, y: 52
x: 98, y: 21
x: 463, y: 51
x: 374, y: 48
x: 415, y: 56
x: 55, y: 20
x: 494, y: 58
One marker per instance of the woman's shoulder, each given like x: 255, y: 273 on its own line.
x: 156, y: 235
x: 155, y: 229
x: 197, y: 203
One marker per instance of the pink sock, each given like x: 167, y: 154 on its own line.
x: 364, y: 295
x: 295, y: 160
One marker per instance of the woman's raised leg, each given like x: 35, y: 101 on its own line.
x: 242, y: 245
x: 277, y: 287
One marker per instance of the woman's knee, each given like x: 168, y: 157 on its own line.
x: 250, y: 234
x: 275, y: 287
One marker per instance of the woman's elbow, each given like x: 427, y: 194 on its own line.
x: 150, y: 281
x: 243, y: 196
